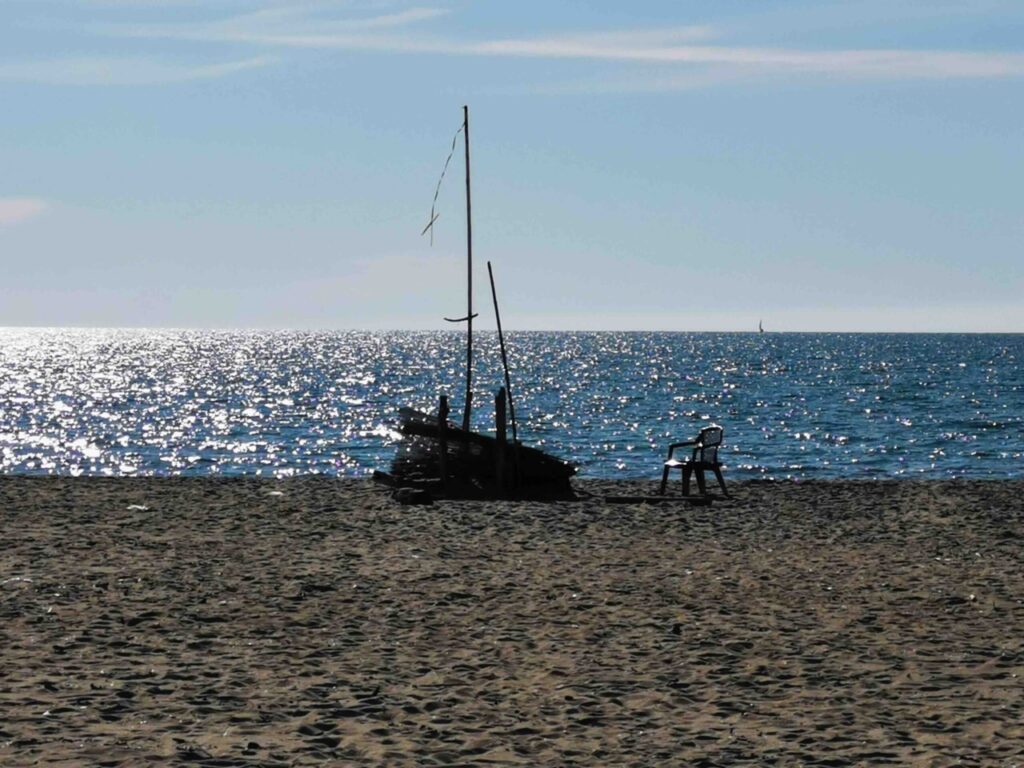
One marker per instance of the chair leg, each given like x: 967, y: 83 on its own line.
x: 721, y: 480
x: 687, y: 471
x: 700, y: 482
x: 664, y: 481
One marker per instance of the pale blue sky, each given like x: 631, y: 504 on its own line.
x: 853, y: 165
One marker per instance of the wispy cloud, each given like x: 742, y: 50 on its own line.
x: 677, y: 50
x: 158, y: 4
x: 893, y: 63
x: 290, y: 26
x: 14, y: 210
x: 121, y: 71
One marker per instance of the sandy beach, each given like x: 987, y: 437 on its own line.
x: 317, y: 622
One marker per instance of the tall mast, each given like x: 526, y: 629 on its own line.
x: 469, y: 280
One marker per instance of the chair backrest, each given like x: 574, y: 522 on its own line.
x: 707, y: 444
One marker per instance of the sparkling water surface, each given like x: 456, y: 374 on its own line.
x: 163, y: 402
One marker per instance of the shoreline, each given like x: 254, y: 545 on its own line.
x: 245, y: 621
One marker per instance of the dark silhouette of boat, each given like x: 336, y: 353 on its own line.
x: 437, y: 456
x: 453, y: 462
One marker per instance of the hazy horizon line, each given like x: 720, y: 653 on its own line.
x: 455, y: 331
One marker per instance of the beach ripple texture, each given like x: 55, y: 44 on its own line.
x: 282, y: 403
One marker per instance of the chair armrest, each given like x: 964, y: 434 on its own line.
x: 672, y: 447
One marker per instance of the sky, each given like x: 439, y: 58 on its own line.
x: 703, y: 165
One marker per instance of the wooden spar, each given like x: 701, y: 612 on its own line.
x: 500, y: 438
x: 504, y: 357
x: 442, y: 440
x: 469, y: 280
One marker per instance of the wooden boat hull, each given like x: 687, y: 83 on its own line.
x: 471, y: 462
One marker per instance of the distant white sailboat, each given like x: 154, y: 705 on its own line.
x: 760, y: 327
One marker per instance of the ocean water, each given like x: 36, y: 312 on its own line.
x: 280, y: 403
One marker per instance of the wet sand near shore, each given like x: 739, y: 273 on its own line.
x: 314, y: 621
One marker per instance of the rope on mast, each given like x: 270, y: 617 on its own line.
x: 437, y: 190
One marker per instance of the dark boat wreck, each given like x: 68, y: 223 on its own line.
x: 436, y: 458
x: 450, y: 462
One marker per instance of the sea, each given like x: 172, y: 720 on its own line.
x: 282, y: 403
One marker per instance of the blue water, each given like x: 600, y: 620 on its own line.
x: 154, y: 402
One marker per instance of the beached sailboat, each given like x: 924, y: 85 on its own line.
x: 449, y: 460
